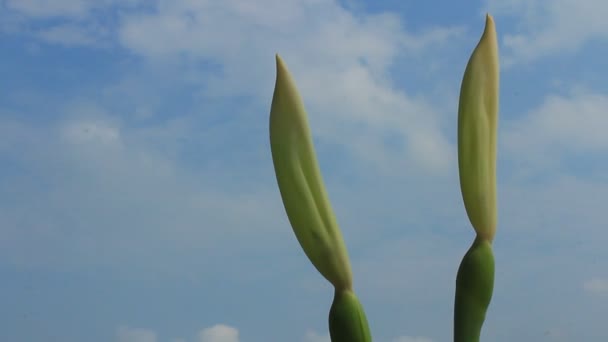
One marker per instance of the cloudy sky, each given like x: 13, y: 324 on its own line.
x: 137, y: 195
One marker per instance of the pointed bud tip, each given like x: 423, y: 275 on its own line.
x: 489, y: 24
x: 281, y: 67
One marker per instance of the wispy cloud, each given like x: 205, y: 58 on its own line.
x: 546, y: 28
x: 412, y: 339
x: 312, y: 336
x: 126, y: 334
x: 219, y: 333
x: 597, y: 286
x: 571, y: 123
x: 560, y: 129
x: 98, y: 174
x: 349, y: 55
x: 73, y: 35
x: 215, y: 333
x: 75, y: 9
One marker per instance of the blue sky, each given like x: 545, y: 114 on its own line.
x: 137, y: 195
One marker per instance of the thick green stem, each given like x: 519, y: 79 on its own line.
x: 347, y: 320
x: 474, y: 287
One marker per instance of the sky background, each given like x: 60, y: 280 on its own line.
x: 138, y: 201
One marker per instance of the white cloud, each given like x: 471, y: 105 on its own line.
x: 41, y: 8
x: 80, y: 23
x: 598, y: 286
x: 73, y: 35
x: 105, y: 193
x: 322, y: 26
x: 100, y: 132
x: 550, y: 27
x: 561, y: 126
x: 62, y: 8
x: 219, y: 333
x: 340, y: 61
x: 126, y: 334
x: 412, y: 339
x: 312, y: 336
x: 216, y: 333
x: 358, y: 107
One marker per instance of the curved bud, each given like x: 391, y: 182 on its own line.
x: 477, y: 125
x: 301, y: 185
x: 347, y: 320
x: 474, y: 287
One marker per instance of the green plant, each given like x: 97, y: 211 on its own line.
x: 308, y: 208
x: 477, y: 125
x: 310, y: 214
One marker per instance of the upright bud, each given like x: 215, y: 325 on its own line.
x: 477, y: 125
x: 301, y: 185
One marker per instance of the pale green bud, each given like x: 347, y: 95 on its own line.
x: 477, y: 126
x: 301, y: 185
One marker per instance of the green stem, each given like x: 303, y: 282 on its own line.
x: 474, y: 287
x: 347, y: 320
